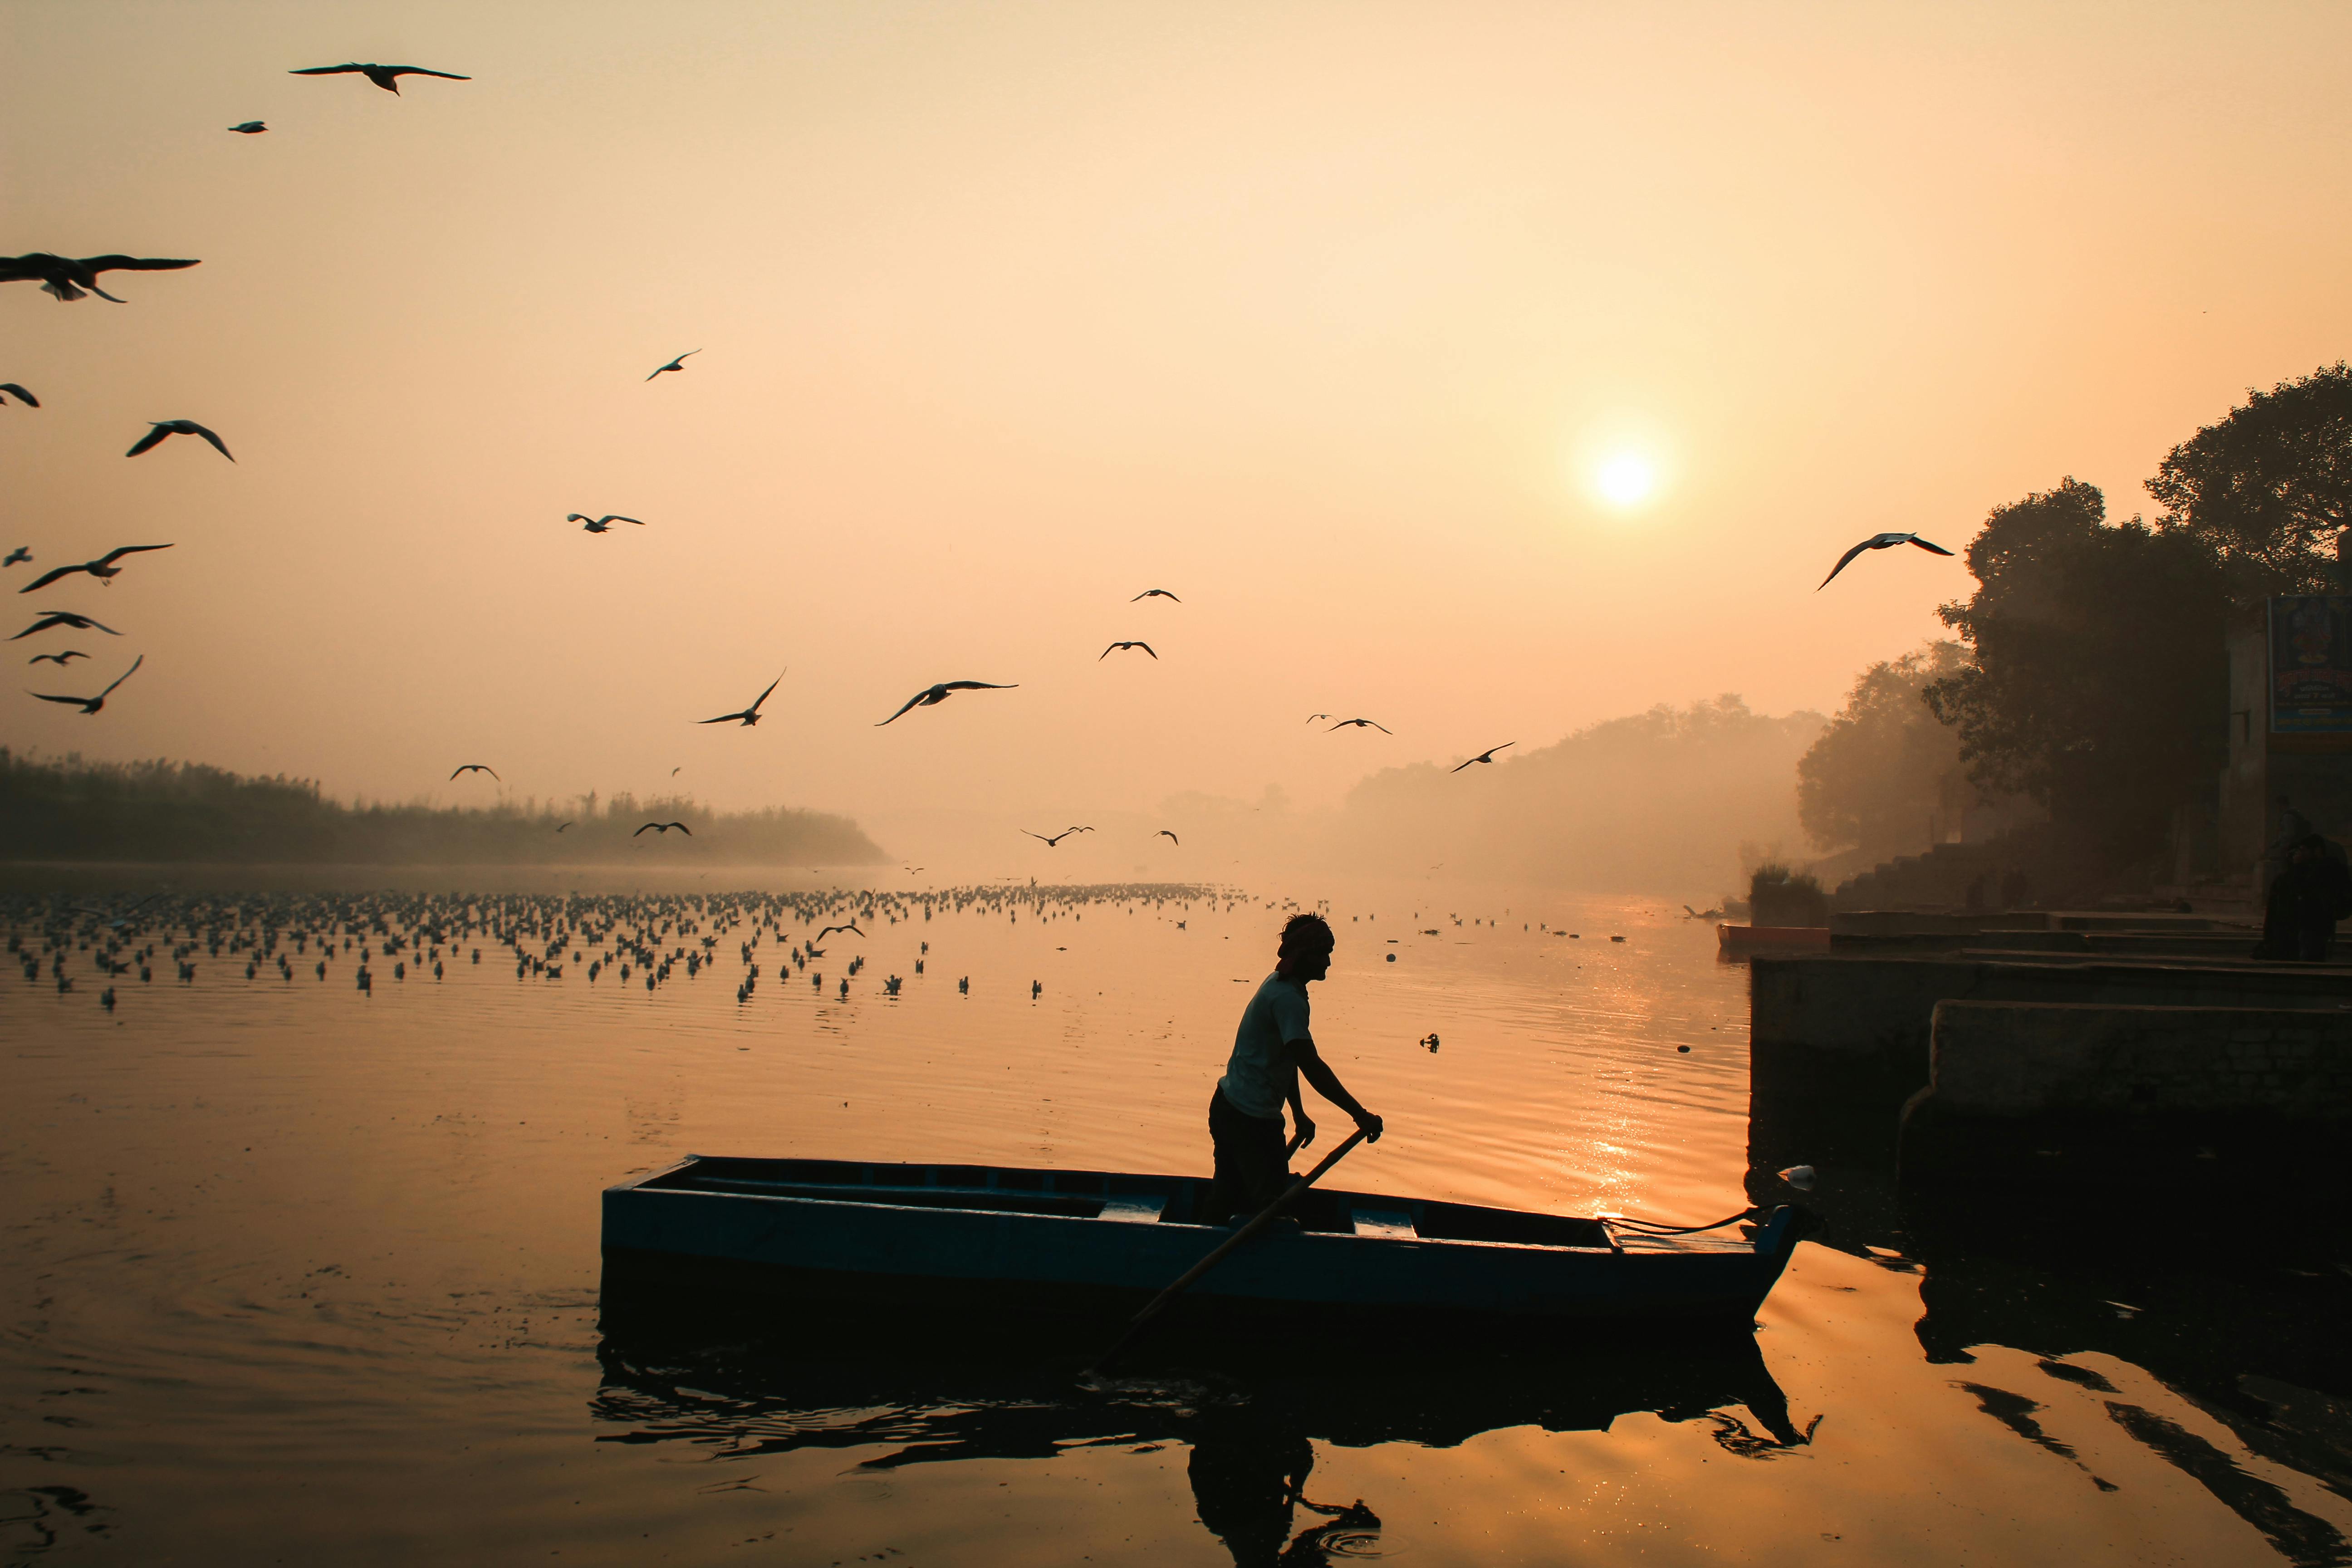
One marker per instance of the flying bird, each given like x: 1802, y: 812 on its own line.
x: 1163, y: 833
x: 851, y: 928
x: 19, y: 554
x: 560, y: 829
x: 20, y: 394
x: 385, y: 77
x: 249, y: 128
x: 664, y: 828
x: 1487, y: 755
x: 162, y: 430
x: 64, y: 619
x: 1152, y: 593
x: 68, y: 278
x: 678, y: 363
x: 92, y: 704
x: 750, y: 715
x: 1050, y: 842
x: 1360, y: 723
x: 1312, y: 717
x: 1117, y: 646
x: 103, y: 568
x: 1880, y: 541
x: 601, y: 524
x: 58, y: 658
x: 477, y: 768
x: 931, y: 697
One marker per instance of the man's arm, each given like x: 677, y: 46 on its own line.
x: 1302, y: 1129
x: 1316, y: 1071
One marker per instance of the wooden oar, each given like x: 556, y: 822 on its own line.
x: 1266, y: 1216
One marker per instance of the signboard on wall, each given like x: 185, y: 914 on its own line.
x: 2311, y: 665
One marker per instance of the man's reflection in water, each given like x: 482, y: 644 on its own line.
x: 1249, y: 1477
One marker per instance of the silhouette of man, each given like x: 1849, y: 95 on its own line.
x: 2313, y: 890
x: 1273, y: 1049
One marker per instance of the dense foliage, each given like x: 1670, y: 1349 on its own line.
x: 72, y: 810
x: 2268, y: 489
x: 1877, y: 773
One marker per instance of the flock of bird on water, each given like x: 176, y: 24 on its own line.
x: 71, y: 278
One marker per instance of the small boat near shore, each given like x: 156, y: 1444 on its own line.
x: 1099, y: 1241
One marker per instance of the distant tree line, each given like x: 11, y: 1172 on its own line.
x: 2090, y: 675
x: 69, y: 809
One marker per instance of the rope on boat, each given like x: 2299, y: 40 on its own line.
x: 1652, y: 1228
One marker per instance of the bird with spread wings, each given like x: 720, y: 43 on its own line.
x: 71, y: 278
x: 385, y: 77
x: 1879, y: 542
x: 749, y: 716
x: 930, y: 697
x: 92, y: 704
x: 102, y: 568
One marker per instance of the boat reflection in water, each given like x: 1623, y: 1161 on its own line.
x: 747, y: 1383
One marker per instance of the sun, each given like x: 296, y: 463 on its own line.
x: 1626, y: 479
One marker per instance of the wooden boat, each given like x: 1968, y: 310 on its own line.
x: 1752, y: 938
x: 1097, y: 1241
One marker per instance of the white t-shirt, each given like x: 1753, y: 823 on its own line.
x: 1258, y: 1074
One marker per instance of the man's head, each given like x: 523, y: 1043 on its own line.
x: 1305, y: 949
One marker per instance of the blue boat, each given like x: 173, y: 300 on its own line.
x: 1105, y: 1241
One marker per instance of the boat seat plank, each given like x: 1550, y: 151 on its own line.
x: 1137, y: 1209
x: 1393, y: 1224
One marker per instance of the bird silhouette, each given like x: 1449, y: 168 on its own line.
x: 930, y: 697
x: 1702, y: 914
x: 1879, y: 542
x: 64, y: 619
x: 600, y: 524
x: 1486, y: 756
x: 103, y: 568
x: 1312, y: 717
x: 664, y: 828
x: 70, y: 278
x: 1117, y: 646
x: 19, y: 554
x: 851, y: 928
x: 678, y: 363
x: 249, y: 128
x: 1360, y: 723
x: 1154, y: 592
x: 477, y: 768
x: 1050, y: 842
x: 385, y: 77
x: 1163, y: 833
x: 58, y: 658
x: 20, y: 394
x: 92, y: 704
x: 560, y: 829
x: 162, y: 430
x: 749, y: 716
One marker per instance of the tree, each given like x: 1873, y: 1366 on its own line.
x: 1877, y: 772
x: 2269, y: 487
x: 2097, y: 683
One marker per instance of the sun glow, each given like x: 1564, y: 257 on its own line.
x: 1626, y: 479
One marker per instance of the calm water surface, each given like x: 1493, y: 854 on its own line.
x: 298, y: 1273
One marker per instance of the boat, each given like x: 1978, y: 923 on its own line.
x: 1100, y: 1242
x: 1753, y: 939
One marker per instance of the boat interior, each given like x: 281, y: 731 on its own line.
x: 1114, y: 1197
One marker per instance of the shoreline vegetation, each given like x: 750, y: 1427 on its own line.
x: 67, y: 809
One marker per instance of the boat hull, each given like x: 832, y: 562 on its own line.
x: 1098, y: 1241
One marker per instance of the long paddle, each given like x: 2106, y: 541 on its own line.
x: 1266, y: 1216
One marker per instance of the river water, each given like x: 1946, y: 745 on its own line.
x: 295, y: 1272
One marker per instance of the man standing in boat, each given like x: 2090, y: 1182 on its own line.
x: 1273, y: 1049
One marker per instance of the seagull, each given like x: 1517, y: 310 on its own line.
x: 560, y: 829
x: 1163, y: 833
x: 1050, y: 842
x: 851, y: 928
x: 249, y: 128
x: 678, y: 363
x: 477, y: 768
x: 19, y: 554
x: 1880, y: 541
x: 385, y: 77
x: 92, y: 704
x: 57, y: 658
x: 664, y: 828
x: 1151, y: 592
x: 162, y: 429
x: 67, y: 279
x: 601, y: 524
x: 1117, y: 646
x: 1360, y: 723
x: 1487, y: 755
x: 64, y: 619
x: 931, y: 697
x: 1312, y: 717
x: 20, y: 394
x: 102, y: 568
x: 749, y: 716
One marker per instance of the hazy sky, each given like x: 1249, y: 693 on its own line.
x: 1326, y: 317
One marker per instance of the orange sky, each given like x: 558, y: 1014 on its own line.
x: 1322, y: 317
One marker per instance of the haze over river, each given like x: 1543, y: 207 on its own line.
x: 292, y: 1272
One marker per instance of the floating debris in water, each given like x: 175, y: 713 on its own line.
x: 1800, y: 1177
